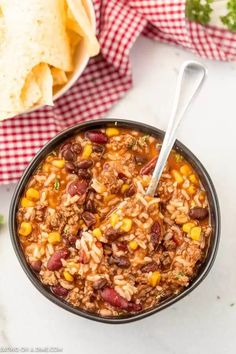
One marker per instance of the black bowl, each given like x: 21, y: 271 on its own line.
x: 96, y: 124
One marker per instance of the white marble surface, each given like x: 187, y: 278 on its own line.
x: 205, y: 321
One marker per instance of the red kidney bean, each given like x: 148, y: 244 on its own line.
x: 59, y: 290
x: 149, y: 167
x: 83, y: 174
x: 198, y: 213
x: 99, y: 284
x: 99, y: 149
x: 89, y: 218
x: 66, y: 151
x: 66, y: 146
x: 155, y: 239
x: 97, y: 137
x: 36, y: 265
x: 131, y: 191
x: 111, y: 296
x: 84, y: 164
x: 122, y: 176
x: 113, y: 234
x: 156, y: 227
x: 54, y: 262
x: 89, y: 206
x: 70, y: 167
x: 121, y: 262
x: 77, y: 187
x: 150, y: 267
x: 68, y: 155
x: 77, y: 148
x: 121, y: 246
x: 72, y: 239
x: 155, y: 234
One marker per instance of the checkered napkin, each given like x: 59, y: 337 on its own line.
x: 108, y: 76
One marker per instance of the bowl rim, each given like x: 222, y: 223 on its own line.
x: 95, y: 124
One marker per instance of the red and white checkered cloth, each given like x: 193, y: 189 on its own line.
x: 108, y: 76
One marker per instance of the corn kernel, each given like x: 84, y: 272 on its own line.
x: 54, y: 237
x: 185, y: 170
x: 32, y: 194
x: 193, y: 179
x: 58, y: 163
x: 87, y: 151
x: 191, y: 189
x: 202, y: 196
x: 26, y: 203
x: 68, y: 276
x: 126, y: 225
x: 108, y: 198
x: 112, y: 132
x: 155, y: 278
x: 187, y: 227
x: 133, y: 245
x: 124, y: 188
x: 97, y: 233
x: 46, y: 167
x: 177, y: 176
x: 114, y: 219
x: 25, y: 228
x: 195, y: 233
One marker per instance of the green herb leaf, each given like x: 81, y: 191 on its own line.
x: 199, y: 11
x: 1, y: 220
x: 229, y: 20
x: 57, y: 184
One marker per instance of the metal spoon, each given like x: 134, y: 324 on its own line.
x: 191, y: 77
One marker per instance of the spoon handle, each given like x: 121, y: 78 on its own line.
x: 191, y: 77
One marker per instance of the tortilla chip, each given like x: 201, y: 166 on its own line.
x: 36, y: 30
x: 79, y: 22
x: 38, y: 40
x: 59, y: 76
x: 30, y: 93
x: 74, y: 40
x: 44, y: 79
